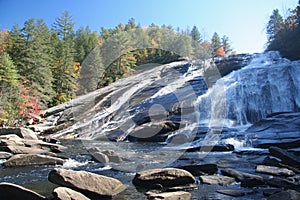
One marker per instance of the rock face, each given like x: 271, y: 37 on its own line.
x: 217, y: 180
x: 91, y: 185
x: 21, y: 132
x: 168, y: 177
x: 11, y: 191
x: 179, y: 195
x: 63, y: 193
x: 32, y: 159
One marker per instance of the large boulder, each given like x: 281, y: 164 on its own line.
x: 21, y: 132
x: 11, y: 191
x: 63, y: 193
x: 168, y: 177
x: 22, y: 150
x: 286, y: 157
x: 91, y: 185
x: 32, y: 159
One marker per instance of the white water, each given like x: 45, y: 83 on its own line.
x: 267, y: 85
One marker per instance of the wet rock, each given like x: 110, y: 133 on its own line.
x: 153, y: 131
x: 215, y: 148
x: 269, y: 191
x: 92, y: 185
x: 11, y: 191
x: 233, y: 193
x: 286, y: 195
x: 5, y: 155
x: 179, y: 195
x: 100, y: 157
x: 274, y: 170
x: 32, y: 159
x: 63, y: 193
x: 240, y: 176
x: 168, y: 177
x: 282, y: 183
x: 198, y: 170
x: 22, y: 150
x: 286, y: 157
x: 281, y: 143
x: 252, y: 182
x: 217, y: 180
x: 112, y: 156
x: 21, y: 132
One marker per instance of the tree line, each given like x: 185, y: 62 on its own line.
x: 42, y: 67
x: 284, y: 34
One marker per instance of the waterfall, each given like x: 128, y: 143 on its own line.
x: 268, y: 84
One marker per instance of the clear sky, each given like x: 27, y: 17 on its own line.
x: 243, y: 21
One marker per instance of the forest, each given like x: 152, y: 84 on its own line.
x: 41, y: 67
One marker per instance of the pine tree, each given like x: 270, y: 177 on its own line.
x: 274, y: 26
x: 226, y: 44
x: 195, y: 34
x: 215, y: 44
x: 65, y: 70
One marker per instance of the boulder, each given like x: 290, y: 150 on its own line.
x: 215, y: 148
x: 282, y: 183
x: 100, y: 157
x: 198, y: 170
x: 239, y: 176
x: 63, y: 193
x: 286, y: 195
x: 32, y: 159
x: 233, y: 193
x: 286, y: 157
x: 168, y: 177
x: 274, y: 170
x: 252, y: 182
x: 22, y: 150
x: 112, y: 156
x: 11, y: 191
x: 21, y: 132
x: 92, y: 185
x: 216, y: 180
x: 5, y: 155
x: 179, y: 195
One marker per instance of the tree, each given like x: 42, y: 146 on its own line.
x: 195, y: 34
x: 274, y: 26
x: 65, y: 70
x: 226, y: 44
x: 215, y: 44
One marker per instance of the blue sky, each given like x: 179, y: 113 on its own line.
x: 243, y: 21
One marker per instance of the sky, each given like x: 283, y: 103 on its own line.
x: 243, y: 21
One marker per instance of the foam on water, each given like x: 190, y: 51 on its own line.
x: 71, y: 163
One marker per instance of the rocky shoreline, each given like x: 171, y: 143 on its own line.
x: 272, y: 172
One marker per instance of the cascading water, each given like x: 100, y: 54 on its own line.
x: 267, y: 85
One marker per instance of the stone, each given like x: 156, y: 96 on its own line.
x: 63, y: 193
x: 100, y: 157
x: 252, y: 182
x: 286, y: 157
x: 198, y: 170
x: 21, y: 132
x: 239, y: 176
x: 11, y: 191
x: 233, y: 193
x: 32, y: 159
x: 282, y: 183
x: 216, y: 180
x: 112, y: 156
x: 92, y: 185
x: 167, y: 177
x: 22, y: 150
x: 274, y: 170
x: 215, y: 148
x: 5, y: 155
x: 179, y: 195
x: 286, y: 195
x: 269, y: 191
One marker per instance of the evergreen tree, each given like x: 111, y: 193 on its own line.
x: 195, y: 34
x: 274, y: 26
x: 215, y: 44
x: 65, y: 70
x: 226, y: 45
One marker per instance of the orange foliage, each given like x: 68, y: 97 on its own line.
x: 220, y: 52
